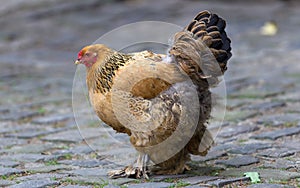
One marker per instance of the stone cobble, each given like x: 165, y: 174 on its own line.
x: 43, y: 144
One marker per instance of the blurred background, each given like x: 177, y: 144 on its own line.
x: 39, y: 39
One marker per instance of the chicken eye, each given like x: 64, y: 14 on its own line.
x: 87, y: 54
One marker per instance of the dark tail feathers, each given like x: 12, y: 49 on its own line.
x: 190, y: 48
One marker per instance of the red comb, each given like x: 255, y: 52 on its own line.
x: 80, y: 54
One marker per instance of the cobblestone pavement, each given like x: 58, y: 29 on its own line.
x: 40, y: 145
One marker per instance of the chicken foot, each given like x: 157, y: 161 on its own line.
x: 137, y: 170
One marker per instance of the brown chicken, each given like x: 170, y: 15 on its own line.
x: 161, y: 101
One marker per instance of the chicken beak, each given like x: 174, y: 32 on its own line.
x: 77, y: 62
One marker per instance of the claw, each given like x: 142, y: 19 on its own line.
x: 129, y: 172
x: 138, y: 171
x: 117, y: 174
x: 187, y: 168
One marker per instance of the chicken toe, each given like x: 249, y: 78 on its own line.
x: 138, y: 170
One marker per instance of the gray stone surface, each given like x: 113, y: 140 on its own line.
x: 8, y: 163
x: 40, y: 144
x: 81, y: 186
x: 97, y: 180
x: 249, y: 93
x: 48, y: 168
x: 278, y: 174
x: 32, y: 148
x: 50, y: 119
x: 223, y: 182
x: 213, y: 154
x: 205, y: 170
x: 293, y: 145
x: 249, y: 148
x: 273, y: 135
x: 230, y: 131
x: 6, y: 127
x: 89, y: 172
x: 4, y: 109
x: 111, y: 186
x: 281, y: 164
x: 223, y: 147
x: 73, y: 135
x: 167, y: 176
x: 8, y: 142
x: 236, y: 103
x: 37, y: 176
x: 291, y: 96
x: 85, y: 163
x: 239, y: 161
x: 5, y: 171
x: 151, y: 185
x: 34, y: 132
x: 239, y: 115
x: 277, y: 152
x: 18, y: 115
x: 36, y: 183
x: 5, y: 183
x: 199, y: 179
x: 265, y: 106
x: 268, y: 185
x: 80, y: 149
x: 268, y: 174
x: 31, y: 157
x: 279, y: 119
x: 196, y: 186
